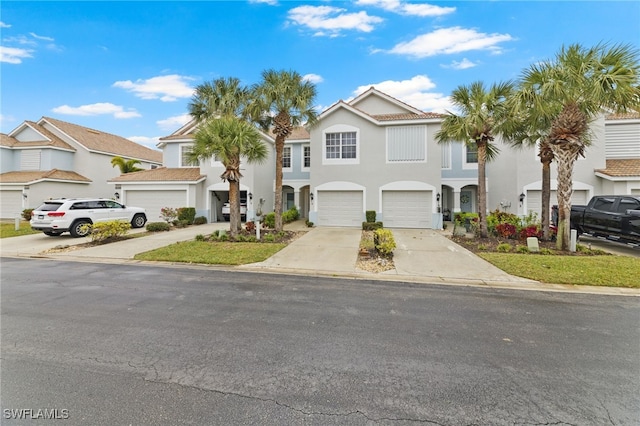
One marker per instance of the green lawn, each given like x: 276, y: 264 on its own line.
x: 9, y: 229
x: 612, y: 271
x: 215, y: 253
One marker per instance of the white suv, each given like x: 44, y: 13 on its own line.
x: 72, y: 214
x: 226, y: 210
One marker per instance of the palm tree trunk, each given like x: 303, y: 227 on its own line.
x: 482, y: 189
x: 546, y: 199
x: 234, y: 207
x: 566, y: 155
x: 278, y: 194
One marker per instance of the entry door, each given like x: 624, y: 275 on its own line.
x: 466, y: 201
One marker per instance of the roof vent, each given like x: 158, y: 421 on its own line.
x: 93, y: 131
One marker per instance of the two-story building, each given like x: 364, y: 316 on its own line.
x: 51, y: 158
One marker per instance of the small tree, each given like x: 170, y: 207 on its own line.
x: 126, y: 166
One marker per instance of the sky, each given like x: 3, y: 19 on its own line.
x: 130, y: 68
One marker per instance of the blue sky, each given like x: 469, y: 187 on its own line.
x: 129, y: 68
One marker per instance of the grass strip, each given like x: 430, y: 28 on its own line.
x: 612, y: 271
x: 214, y: 253
x: 9, y: 229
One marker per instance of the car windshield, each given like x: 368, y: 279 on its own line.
x: 49, y: 207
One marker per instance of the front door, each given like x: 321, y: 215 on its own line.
x: 466, y: 202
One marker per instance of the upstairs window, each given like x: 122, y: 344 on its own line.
x: 469, y: 156
x: 286, y: 157
x: 185, y: 150
x: 341, y: 145
x: 407, y: 144
x: 306, y: 157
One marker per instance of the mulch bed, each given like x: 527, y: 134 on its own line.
x: 490, y: 244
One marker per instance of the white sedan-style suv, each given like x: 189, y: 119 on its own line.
x: 74, y: 214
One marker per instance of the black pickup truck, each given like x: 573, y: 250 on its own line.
x: 615, y: 217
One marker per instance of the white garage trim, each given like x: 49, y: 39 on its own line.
x: 407, y: 209
x: 10, y: 203
x: 534, y: 200
x: 581, y: 191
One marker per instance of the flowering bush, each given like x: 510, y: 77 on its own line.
x: 506, y: 230
x: 168, y: 214
x: 530, y: 231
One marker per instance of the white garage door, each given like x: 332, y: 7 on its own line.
x: 406, y: 209
x: 340, y: 208
x: 153, y: 201
x: 635, y: 192
x: 10, y: 204
x: 534, y: 200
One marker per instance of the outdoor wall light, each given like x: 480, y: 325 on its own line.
x: 311, y: 196
x: 250, y: 196
x: 522, y: 197
x: 438, y: 197
x: 117, y: 195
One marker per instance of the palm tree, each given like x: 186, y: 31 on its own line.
x: 223, y: 96
x: 281, y: 101
x: 482, y: 117
x: 567, y: 93
x: 126, y: 166
x: 229, y: 139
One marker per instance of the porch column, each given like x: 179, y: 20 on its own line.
x: 296, y: 199
x: 456, y: 200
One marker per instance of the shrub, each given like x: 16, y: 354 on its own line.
x: 522, y: 249
x: 103, y: 231
x: 530, y: 231
x: 181, y: 223
x: 200, y: 237
x: 187, y: 214
x: 482, y: 247
x: 26, y: 214
x: 371, y: 216
x: 371, y: 226
x: 290, y: 215
x: 269, y: 238
x: 384, y: 241
x: 545, y: 251
x: 158, y: 226
x: 308, y: 223
x: 250, y: 227
x: 269, y: 220
x: 506, y: 230
x: 200, y: 220
x: 497, y: 217
x: 168, y: 214
x: 504, y: 247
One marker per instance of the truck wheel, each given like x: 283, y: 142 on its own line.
x: 138, y: 221
x: 80, y: 228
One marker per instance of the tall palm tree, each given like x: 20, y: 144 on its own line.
x: 222, y: 96
x: 126, y: 166
x: 281, y: 101
x: 482, y: 117
x: 230, y: 139
x: 569, y: 92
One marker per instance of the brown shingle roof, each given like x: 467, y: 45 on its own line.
x: 96, y: 140
x: 26, y: 177
x: 49, y: 139
x: 406, y: 116
x: 627, y: 116
x: 162, y: 174
x: 622, y: 168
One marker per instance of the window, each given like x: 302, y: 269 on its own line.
x: 604, y: 204
x: 628, y: 204
x: 406, y: 144
x: 306, y: 157
x: 472, y: 154
x: 286, y: 157
x: 185, y: 150
x: 341, y: 145
x: 446, y: 156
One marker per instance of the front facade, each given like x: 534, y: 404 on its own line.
x: 51, y: 158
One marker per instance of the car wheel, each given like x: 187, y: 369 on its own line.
x: 138, y: 221
x: 52, y: 233
x: 81, y: 228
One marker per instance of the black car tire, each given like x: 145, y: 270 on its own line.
x: 78, y: 228
x: 138, y: 221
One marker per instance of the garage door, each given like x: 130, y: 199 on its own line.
x: 153, y: 201
x: 534, y: 200
x: 406, y: 209
x: 635, y: 192
x: 340, y: 208
x: 10, y: 204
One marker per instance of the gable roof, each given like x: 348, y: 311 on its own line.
x: 380, y: 119
x: 188, y: 131
x: 48, y: 138
x: 372, y: 91
x: 162, y: 174
x: 98, y: 141
x: 31, y: 177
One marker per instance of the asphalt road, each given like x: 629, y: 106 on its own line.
x: 137, y: 345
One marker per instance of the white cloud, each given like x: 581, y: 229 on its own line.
x: 167, y: 88
x: 101, y: 108
x: 4, y: 119
x: 330, y: 21
x: 145, y: 140
x: 460, y: 65
x: 14, y: 55
x: 4, y: 25
x: 269, y: 2
x: 450, y: 40
x: 174, y: 123
x: 38, y: 37
x: 313, y: 78
x: 405, y: 8
x: 416, y: 92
